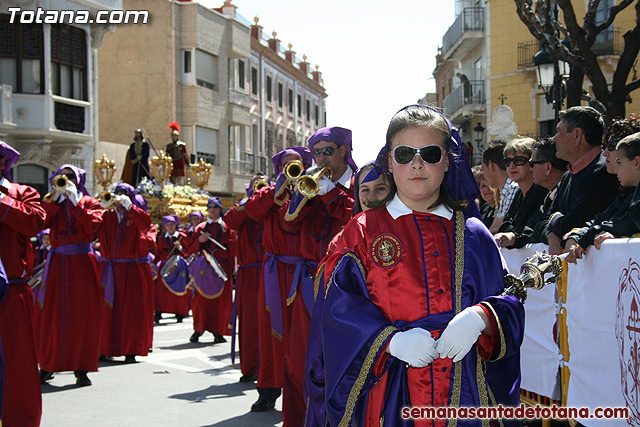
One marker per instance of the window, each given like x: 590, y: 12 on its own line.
x: 254, y: 81
x: 21, y: 56
x: 187, y: 61
x: 69, y: 61
x: 317, y: 115
x: 207, y: 144
x: 291, y: 101
x: 280, y: 100
x: 269, y: 89
x: 299, y: 105
x: 241, y: 76
x: 308, y: 110
x: 206, y: 70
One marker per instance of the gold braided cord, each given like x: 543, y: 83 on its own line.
x: 503, y: 343
x: 459, y: 273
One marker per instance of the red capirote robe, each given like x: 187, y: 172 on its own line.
x: 68, y: 325
x: 249, y: 234
x: 212, y: 313
x: 125, y: 325
x: 21, y: 217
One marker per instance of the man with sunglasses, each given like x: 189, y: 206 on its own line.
x: 318, y: 221
x: 586, y: 189
x: 21, y: 217
x: 495, y: 173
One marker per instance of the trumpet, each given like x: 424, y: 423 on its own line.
x: 60, y: 182
x: 307, y: 185
x: 293, y: 170
x: 107, y: 197
x: 260, y: 183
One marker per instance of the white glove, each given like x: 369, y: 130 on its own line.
x: 325, y: 185
x: 460, y: 335
x: 124, y: 201
x: 59, y: 196
x: 72, y: 193
x: 415, y: 346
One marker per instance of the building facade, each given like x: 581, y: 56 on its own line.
x: 493, y: 49
x: 212, y: 72
x: 48, y: 87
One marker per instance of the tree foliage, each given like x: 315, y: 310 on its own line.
x: 541, y: 20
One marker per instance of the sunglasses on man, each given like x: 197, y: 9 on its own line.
x: 327, y: 151
x: 432, y: 154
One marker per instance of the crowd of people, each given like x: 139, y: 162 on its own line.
x: 358, y: 291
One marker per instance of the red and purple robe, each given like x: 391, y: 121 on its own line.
x: 249, y: 235
x: 21, y: 217
x: 124, y: 263
x: 394, y: 273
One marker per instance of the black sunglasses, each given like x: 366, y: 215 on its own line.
x: 403, y: 154
x: 327, y: 151
x: 517, y: 160
x: 536, y: 162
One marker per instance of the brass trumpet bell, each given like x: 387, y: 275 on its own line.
x: 307, y: 185
x: 107, y: 197
x: 60, y: 182
x: 260, y: 183
x: 293, y: 170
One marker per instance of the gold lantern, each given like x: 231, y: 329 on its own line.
x: 104, y: 170
x: 201, y: 173
x: 161, y: 167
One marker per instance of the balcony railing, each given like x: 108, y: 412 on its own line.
x: 5, y: 104
x: 608, y: 42
x: 470, y: 20
x: 457, y: 99
x: 239, y: 97
x: 241, y: 167
x: 526, y: 51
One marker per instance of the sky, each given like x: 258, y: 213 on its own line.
x: 375, y: 56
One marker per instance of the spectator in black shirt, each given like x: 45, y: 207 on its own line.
x: 586, y: 189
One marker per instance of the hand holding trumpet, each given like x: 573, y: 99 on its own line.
x: 63, y: 188
x: 109, y: 200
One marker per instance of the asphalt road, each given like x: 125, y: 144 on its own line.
x: 179, y: 384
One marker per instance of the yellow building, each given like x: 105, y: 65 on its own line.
x: 489, y: 46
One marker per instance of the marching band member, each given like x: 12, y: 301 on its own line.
x: 249, y: 234
x: 67, y: 322
x: 282, y: 262
x: 423, y: 272
x: 171, y: 291
x: 191, y: 241
x: 21, y: 217
x: 126, y: 276
x: 319, y: 220
x: 212, y: 303
x: 44, y: 247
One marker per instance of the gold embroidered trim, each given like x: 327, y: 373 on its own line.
x: 316, y: 282
x: 342, y: 258
x: 482, y: 387
x: 459, y: 273
x: 494, y: 404
x: 503, y: 343
x: 364, y: 371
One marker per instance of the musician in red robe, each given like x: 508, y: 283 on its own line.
x: 126, y: 276
x: 282, y: 262
x: 212, y: 300
x: 191, y: 242
x: 21, y: 217
x: 171, y: 295
x: 67, y: 322
x: 319, y: 219
x: 249, y: 235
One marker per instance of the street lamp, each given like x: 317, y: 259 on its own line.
x: 551, y: 75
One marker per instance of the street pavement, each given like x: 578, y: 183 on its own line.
x: 180, y: 384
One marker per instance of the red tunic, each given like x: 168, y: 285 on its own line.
x: 68, y: 326
x: 213, y: 314
x: 279, y: 242
x: 125, y: 325
x: 249, y: 234
x: 21, y: 217
x: 148, y: 245
x: 319, y: 222
x: 178, y: 152
x: 165, y: 300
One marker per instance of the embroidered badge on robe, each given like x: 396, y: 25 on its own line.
x: 386, y: 250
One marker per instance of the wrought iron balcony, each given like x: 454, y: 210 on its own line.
x: 465, y: 33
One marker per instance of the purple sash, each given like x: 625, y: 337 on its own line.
x: 205, y: 279
x: 107, y: 276
x: 234, y: 313
x: 70, y: 249
x: 301, y: 276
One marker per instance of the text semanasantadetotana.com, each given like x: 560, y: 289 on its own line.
x: 42, y: 16
x: 521, y: 412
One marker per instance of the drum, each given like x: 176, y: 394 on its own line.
x: 215, y: 265
x: 170, y: 266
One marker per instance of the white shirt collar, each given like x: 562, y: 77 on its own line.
x: 5, y: 182
x: 397, y: 208
x: 345, y: 179
x: 174, y: 235
x: 219, y: 220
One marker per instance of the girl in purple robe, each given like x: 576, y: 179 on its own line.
x: 411, y: 317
